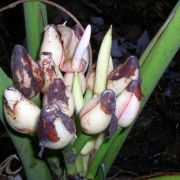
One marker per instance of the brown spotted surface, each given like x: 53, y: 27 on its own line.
x: 46, y: 129
x: 8, y: 110
x: 125, y: 70
x: 135, y: 87
x: 68, y: 123
x: 27, y: 75
x: 108, y: 101
x: 56, y: 92
x: 113, y: 125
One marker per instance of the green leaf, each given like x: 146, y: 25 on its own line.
x: 173, y: 177
x: 35, y: 19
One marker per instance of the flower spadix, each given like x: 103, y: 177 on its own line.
x: 59, y: 95
x: 27, y: 75
x: 49, y: 68
x: 21, y: 113
x: 52, y: 43
x: 120, y: 77
x: 96, y: 114
x: 55, y: 129
x: 133, y: 100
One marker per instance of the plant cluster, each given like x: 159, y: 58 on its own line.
x: 103, y: 98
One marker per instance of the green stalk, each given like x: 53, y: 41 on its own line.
x: 100, y: 84
x: 85, y: 159
x: 100, y: 154
x: 79, y: 102
x: 69, y: 155
x: 34, y: 168
x: 35, y: 19
x: 77, y: 94
x: 157, y: 60
x: 79, y: 165
x: 53, y: 160
x: 112, y: 152
x: 170, y: 177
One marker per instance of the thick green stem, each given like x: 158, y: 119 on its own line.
x: 100, y: 154
x: 35, y: 20
x: 155, y: 63
x: 79, y: 102
x: 112, y: 152
x: 54, y: 163
x: 69, y: 160
x: 77, y: 93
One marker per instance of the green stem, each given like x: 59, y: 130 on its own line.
x: 79, y: 102
x: 165, y: 177
x: 69, y: 160
x: 53, y: 161
x: 100, y: 154
x: 112, y: 152
x: 79, y: 165
x: 35, y: 19
x: 85, y: 159
x: 77, y: 94
x: 157, y: 60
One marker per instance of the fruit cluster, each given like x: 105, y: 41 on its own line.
x: 112, y: 96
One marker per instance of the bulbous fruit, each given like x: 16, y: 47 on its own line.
x: 49, y: 68
x: 96, y: 114
x: 130, y: 112
x: 55, y: 129
x: 21, y: 113
x: 52, y: 43
x: 121, y: 76
x: 59, y: 95
x: 28, y: 76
